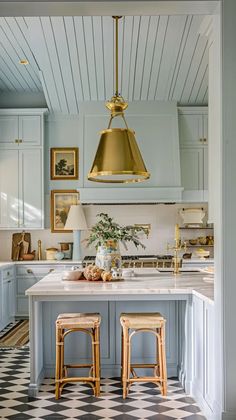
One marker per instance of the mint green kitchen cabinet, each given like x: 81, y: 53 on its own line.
x: 203, y: 368
x: 21, y: 184
x: 193, y: 136
x: 8, y: 297
x: 20, y: 130
x: 21, y: 169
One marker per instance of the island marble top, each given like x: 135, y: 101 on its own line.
x: 146, y: 281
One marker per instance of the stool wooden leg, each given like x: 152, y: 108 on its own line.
x: 122, y: 355
x: 97, y: 361
x: 160, y: 359
x: 62, y: 368
x: 58, y: 354
x: 157, y: 367
x: 125, y: 361
x: 163, y: 354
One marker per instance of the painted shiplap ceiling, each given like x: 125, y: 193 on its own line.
x: 71, y: 59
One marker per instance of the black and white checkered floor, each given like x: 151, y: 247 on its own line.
x: 77, y: 402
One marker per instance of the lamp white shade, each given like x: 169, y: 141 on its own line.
x: 76, y: 219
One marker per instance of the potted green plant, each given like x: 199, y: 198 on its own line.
x: 106, y: 235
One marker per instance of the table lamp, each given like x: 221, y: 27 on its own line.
x: 76, y: 221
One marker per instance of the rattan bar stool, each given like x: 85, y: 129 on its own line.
x: 77, y: 322
x: 133, y: 323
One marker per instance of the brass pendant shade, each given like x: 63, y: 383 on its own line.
x: 118, y: 158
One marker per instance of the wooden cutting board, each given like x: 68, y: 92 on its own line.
x: 21, y: 244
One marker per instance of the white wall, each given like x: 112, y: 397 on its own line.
x: 161, y: 217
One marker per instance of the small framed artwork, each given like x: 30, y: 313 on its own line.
x: 65, y: 163
x: 61, y: 200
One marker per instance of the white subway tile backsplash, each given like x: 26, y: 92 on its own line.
x: 162, y: 218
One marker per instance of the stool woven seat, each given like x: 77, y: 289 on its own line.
x: 88, y: 323
x: 141, y: 320
x: 83, y: 320
x: 133, y: 323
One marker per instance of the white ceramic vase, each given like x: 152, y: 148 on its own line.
x: 108, y: 256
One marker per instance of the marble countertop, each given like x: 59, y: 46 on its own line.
x: 145, y: 282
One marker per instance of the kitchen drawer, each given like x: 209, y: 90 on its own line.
x: 22, y: 306
x: 35, y: 271
x: 8, y: 273
x: 22, y: 284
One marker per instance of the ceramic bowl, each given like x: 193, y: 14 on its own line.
x: 193, y: 241
x: 202, y: 240
x: 72, y: 275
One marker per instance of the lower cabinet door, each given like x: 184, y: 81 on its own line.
x: 5, y: 302
x: 209, y: 352
x: 8, y: 301
x: 198, y: 346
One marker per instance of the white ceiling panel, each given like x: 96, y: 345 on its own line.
x: 71, y: 59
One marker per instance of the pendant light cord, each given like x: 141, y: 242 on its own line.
x: 116, y: 55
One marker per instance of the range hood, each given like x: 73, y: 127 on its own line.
x: 157, y: 134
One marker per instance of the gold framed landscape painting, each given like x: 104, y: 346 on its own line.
x: 64, y: 163
x: 61, y: 200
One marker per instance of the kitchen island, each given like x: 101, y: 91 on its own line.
x: 183, y: 300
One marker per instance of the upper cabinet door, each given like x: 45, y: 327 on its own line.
x: 192, y: 171
x: 9, y: 198
x: 191, y: 129
x: 30, y: 130
x: 31, y: 188
x: 8, y: 130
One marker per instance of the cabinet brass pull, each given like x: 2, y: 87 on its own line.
x: 29, y: 271
x: 205, y: 140
x: 51, y: 270
x: 8, y: 273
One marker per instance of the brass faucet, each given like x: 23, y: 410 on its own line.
x: 176, y: 248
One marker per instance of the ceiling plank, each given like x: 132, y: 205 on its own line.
x: 64, y: 63
x: 108, y: 42
x: 171, y: 47
x: 99, y: 57
x: 187, y: 57
x: 141, y: 56
x: 161, y: 34
x: 74, y: 57
x: 150, y: 48
x: 90, y: 56
x: 39, y: 45
x: 79, y: 31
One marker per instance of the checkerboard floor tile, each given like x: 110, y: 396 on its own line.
x: 77, y: 402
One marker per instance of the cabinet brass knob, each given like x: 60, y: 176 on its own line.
x: 20, y: 140
x: 29, y: 271
x: 9, y: 281
x: 16, y: 141
x: 51, y: 270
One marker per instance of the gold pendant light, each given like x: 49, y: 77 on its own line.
x: 118, y: 158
